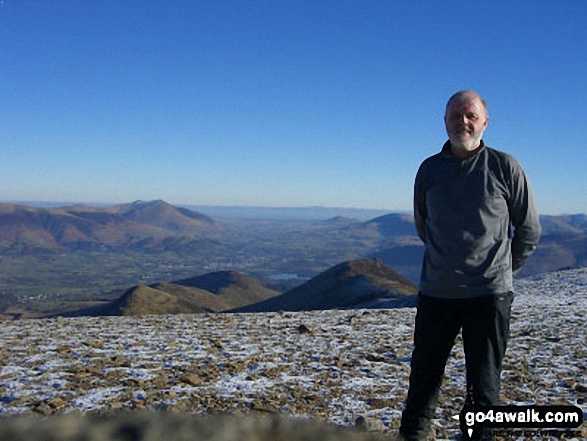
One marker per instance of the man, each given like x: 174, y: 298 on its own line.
x: 467, y: 198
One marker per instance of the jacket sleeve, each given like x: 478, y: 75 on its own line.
x: 420, y: 205
x: 524, y: 217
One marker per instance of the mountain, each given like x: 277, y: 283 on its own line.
x: 557, y: 252
x: 146, y: 300
x: 405, y: 256
x: 340, y: 220
x: 565, y: 224
x: 398, y: 244
x: 138, y: 224
x: 234, y: 288
x: 365, y: 283
x: 212, y: 292
x: 285, y: 213
x: 163, y: 215
x: 563, y: 244
x: 392, y: 225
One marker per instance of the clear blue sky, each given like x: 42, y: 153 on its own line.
x: 283, y: 102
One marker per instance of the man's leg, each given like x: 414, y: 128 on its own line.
x: 485, y: 335
x: 436, y: 328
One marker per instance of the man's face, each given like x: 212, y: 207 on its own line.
x: 465, y: 120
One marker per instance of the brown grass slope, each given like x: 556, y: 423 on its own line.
x: 365, y: 283
x: 163, y: 215
x: 234, y: 288
x: 391, y: 225
x: 198, y: 300
x: 38, y: 227
x: 213, y: 292
x: 144, y: 300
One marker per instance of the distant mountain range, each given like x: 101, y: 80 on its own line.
x: 563, y: 244
x: 138, y: 224
x: 366, y: 283
x: 158, y: 226
x: 286, y: 213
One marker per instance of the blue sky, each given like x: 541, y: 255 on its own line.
x: 281, y: 103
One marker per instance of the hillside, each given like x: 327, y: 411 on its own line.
x: 338, y: 366
x: 163, y: 215
x: 66, y: 258
x: 563, y: 244
x: 234, y: 288
x: 82, y: 227
x: 366, y: 283
x: 212, y: 292
x: 146, y: 300
x: 556, y: 252
x: 392, y: 225
x: 564, y: 224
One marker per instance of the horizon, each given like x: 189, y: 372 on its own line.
x: 58, y: 204
x: 281, y: 104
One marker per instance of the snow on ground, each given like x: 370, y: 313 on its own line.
x: 329, y: 365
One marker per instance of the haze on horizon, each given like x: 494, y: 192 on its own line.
x: 281, y: 104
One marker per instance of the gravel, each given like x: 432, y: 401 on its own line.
x: 339, y: 367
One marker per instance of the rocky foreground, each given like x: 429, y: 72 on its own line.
x: 341, y: 367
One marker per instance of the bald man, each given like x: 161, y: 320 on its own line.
x: 476, y: 215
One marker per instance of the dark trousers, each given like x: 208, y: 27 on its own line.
x: 484, y: 322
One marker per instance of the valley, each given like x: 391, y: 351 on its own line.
x: 38, y: 282
x: 66, y: 258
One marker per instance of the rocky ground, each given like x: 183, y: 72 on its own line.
x: 334, y: 366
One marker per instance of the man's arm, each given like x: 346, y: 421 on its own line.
x: 524, y: 217
x: 420, y: 206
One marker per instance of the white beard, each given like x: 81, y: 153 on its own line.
x: 467, y: 145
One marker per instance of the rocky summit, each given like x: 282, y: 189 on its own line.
x: 346, y: 368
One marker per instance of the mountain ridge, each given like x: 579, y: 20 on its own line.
x: 212, y: 292
x: 361, y: 283
x: 69, y: 257
x: 74, y: 226
x: 355, y: 284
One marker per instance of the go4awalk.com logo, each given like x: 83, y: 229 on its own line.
x: 520, y: 417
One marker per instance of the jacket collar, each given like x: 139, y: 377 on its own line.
x: 446, y: 152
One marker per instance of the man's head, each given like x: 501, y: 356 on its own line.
x: 465, y: 120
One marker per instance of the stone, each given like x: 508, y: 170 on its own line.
x: 155, y: 426
x: 303, y: 329
x: 350, y: 364
x: 369, y: 424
